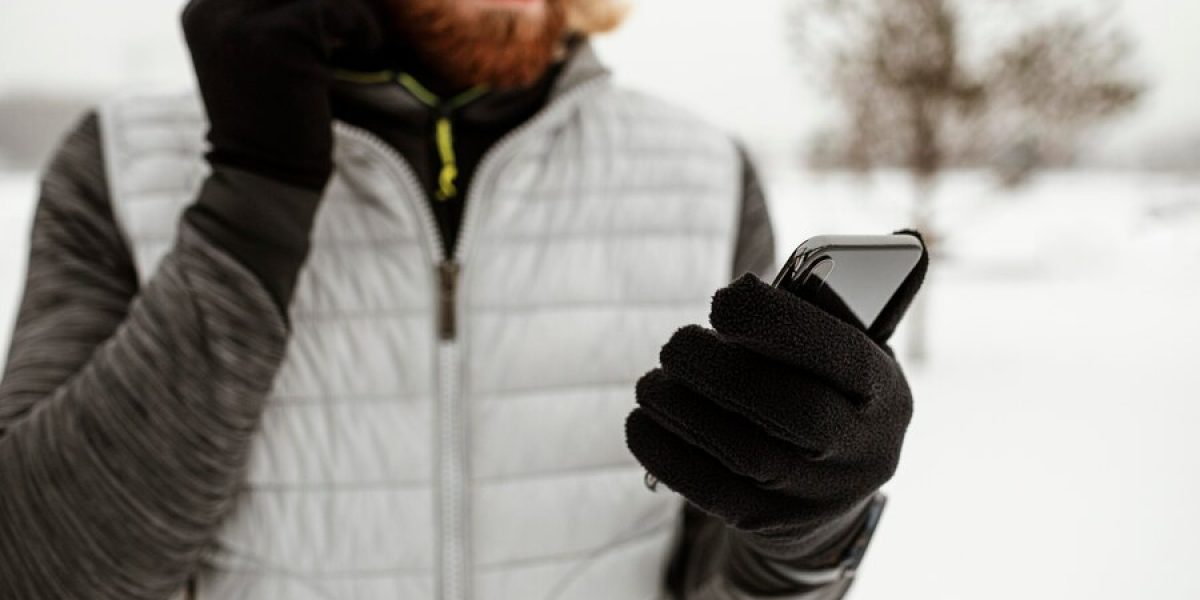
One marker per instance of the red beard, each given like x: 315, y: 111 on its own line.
x: 468, y: 45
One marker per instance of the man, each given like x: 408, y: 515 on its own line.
x: 392, y: 357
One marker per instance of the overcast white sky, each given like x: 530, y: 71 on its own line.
x: 727, y: 60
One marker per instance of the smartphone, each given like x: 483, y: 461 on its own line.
x: 851, y: 276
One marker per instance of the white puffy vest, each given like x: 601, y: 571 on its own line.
x: 399, y: 459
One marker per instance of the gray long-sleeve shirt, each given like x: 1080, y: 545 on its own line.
x: 126, y: 411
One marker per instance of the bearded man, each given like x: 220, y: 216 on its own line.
x: 364, y: 319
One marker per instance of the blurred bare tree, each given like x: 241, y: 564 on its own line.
x: 925, y: 85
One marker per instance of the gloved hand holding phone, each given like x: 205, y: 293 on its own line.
x: 781, y: 419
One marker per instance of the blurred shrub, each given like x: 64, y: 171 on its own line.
x: 918, y: 91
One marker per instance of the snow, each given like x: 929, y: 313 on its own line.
x: 1052, y: 453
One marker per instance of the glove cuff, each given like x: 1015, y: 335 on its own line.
x: 821, y: 558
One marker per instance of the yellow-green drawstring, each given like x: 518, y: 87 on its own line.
x: 364, y: 77
x: 444, y: 131
x: 447, y: 178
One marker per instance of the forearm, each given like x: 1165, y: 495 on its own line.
x: 114, y: 485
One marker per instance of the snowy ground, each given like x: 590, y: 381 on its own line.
x: 1052, y: 453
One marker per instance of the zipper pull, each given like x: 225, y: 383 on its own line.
x: 448, y: 278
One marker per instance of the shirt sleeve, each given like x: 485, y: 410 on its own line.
x: 755, y: 250
x: 126, y: 413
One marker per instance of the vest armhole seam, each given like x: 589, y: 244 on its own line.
x: 106, y: 122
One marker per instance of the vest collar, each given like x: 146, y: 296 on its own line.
x: 378, y: 92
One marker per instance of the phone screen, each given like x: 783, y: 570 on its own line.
x: 851, y: 277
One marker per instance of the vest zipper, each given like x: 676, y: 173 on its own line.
x: 453, y: 574
x: 453, y: 560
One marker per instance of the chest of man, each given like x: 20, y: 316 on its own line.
x: 451, y: 424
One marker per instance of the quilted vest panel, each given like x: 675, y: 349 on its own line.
x: 396, y: 464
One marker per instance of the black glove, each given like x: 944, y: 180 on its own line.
x: 264, y: 70
x: 782, y: 421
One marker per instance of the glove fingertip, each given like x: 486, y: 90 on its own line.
x: 744, y: 293
x: 640, y: 432
x: 749, y: 308
x: 651, y: 385
x: 683, y: 346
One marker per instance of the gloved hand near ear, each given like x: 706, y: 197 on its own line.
x: 781, y: 420
x: 264, y: 68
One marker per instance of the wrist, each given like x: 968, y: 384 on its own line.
x: 818, y: 547
x: 810, y: 562
x: 263, y: 223
x: 307, y: 170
